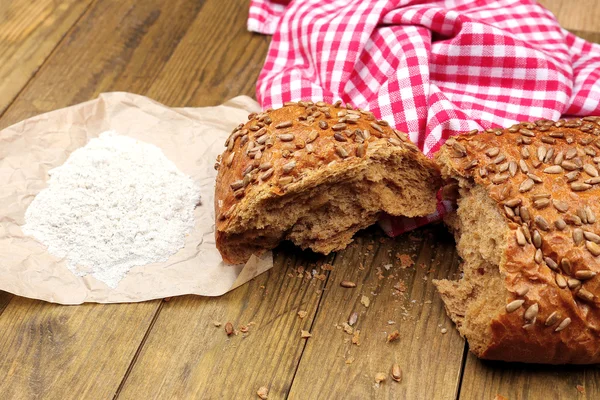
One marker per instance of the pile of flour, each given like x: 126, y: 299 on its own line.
x: 114, y: 204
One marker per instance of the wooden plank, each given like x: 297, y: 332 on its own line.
x: 186, y: 356
x: 56, y: 352
x: 580, y: 15
x: 431, y: 360
x: 84, y: 352
x: 486, y: 379
x: 29, y: 31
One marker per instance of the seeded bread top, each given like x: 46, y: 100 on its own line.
x: 276, y: 149
x: 544, y: 178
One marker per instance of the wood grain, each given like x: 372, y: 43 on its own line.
x: 29, y: 31
x: 57, y: 352
x: 187, y: 357
x: 485, y: 380
x: 431, y: 361
x: 582, y: 15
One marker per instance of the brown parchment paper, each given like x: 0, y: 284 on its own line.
x: 190, y: 137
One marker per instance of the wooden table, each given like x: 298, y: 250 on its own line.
x: 55, y: 53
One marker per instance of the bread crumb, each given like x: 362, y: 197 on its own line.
x: 392, y: 337
x: 581, y: 389
x: 444, y: 330
x: 321, y: 277
x: 356, y: 337
x: 305, y: 334
x: 380, y: 377
x: 400, y: 286
x: 262, y: 392
x: 349, y: 360
x: 347, y: 328
x: 327, y: 267
x: 216, y: 323
x: 500, y: 397
x: 244, y: 329
x: 302, y: 314
x: 387, y: 267
x: 364, y: 300
x: 406, y: 261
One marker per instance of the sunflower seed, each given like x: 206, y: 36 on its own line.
x: 526, y: 132
x: 483, y: 172
x: 591, y: 217
x: 585, y: 274
x: 284, y: 124
x: 521, y: 241
x: 360, y: 150
x: 537, y: 239
x: 535, y: 178
x: 267, y: 174
x: 561, y: 281
x: 513, y: 202
x: 569, y: 165
x: 514, y: 305
x: 312, y: 136
x: 524, y: 213
x: 525, y: 152
x: 552, y: 318
x: 590, y: 170
x: 523, y: 166
x: 548, y: 140
x: 492, y: 152
x: 265, y: 166
x: 500, y: 178
x: 555, y: 169
x: 309, y: 148
x: 585, y: 295
x: 287, y: 168
x: 339, y: 137
x: 286, y: 180
x: 339, y: 127
x: 561, y: 206
x: 541, y: 203
x: 538, y: 196
x: 542, y: 223
x: 541, y: 153
x: 590, y: 152
x: 592, y: 181
x: 286, y: 137
x: 395, y: 141
x: 347, y: 284
x: 377, y: 127
x: 323, y: 124
x: 499, y: 159
x: 571, y: 176
x: 396, y: 373
x: 526, y: 185
x: 513, y: 129
x: 565, y: 322
x: 582, y: 216
x: 229, y: 159
x: 573, y: 283
x: 549, y: 156
x: 560, y: 224
x: 578, y: 236
x: 532, y: 312
x: 551, y: 263
x: 341, y: 151
x: 571, y: 153
x: 522, y: 291
x: 573, y: 220
x: 237, y: 185
x: 593, y: 248
x: 565, y: 264
x: 580, y: 186
x: 512, y: 168
x: 538, y: 257
x: 472, y: 164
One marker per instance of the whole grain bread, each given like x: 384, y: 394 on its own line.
x: 315, y: 174
x: 527, y: 231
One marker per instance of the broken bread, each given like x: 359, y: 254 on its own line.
x: 315, y: 174
x: 526, y: 229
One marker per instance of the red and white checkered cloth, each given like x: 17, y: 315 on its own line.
x: 430, y: 68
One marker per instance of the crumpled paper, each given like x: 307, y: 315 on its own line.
x: 190, y: 137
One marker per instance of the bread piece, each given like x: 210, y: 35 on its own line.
x: 527, y: 231
x: 315, y: 174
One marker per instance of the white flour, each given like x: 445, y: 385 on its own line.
x: 114, y: 204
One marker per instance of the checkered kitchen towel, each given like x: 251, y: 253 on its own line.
x: 430, y: 68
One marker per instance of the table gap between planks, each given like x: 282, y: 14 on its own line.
x: 196, y: 53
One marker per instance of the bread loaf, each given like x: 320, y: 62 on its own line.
x: 528, y: 233
x: 315, y: 174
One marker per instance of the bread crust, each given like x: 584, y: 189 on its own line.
x: 543, y: 178
x: 302, y: 146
